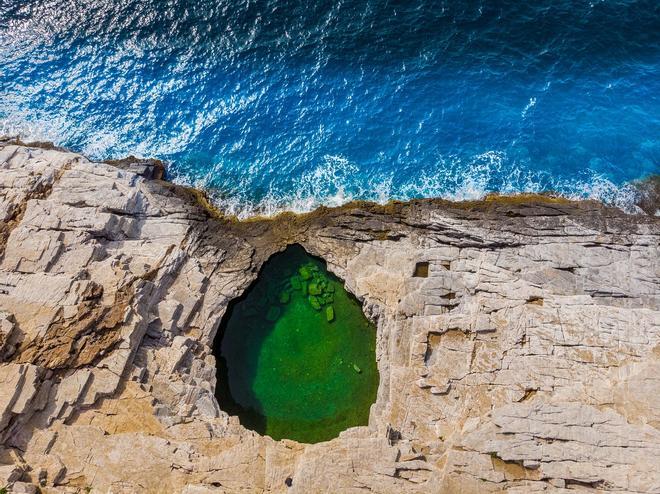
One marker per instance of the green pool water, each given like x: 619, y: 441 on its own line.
x: 296, y: 354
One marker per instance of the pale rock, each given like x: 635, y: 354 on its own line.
x: 10, y: 474
x: 527, y: 360
x: 23, y: 488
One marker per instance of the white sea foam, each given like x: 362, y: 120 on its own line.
x: 336, y: 181
x: 601, y: 189
x: 31, y: 130
x: 531, y: 104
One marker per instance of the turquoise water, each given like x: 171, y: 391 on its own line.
x: 296, y: 355
x: 275, y: 104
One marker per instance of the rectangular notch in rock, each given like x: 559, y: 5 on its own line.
x: 421, y: 270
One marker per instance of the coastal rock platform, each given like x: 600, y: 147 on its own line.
x: 518, y: 339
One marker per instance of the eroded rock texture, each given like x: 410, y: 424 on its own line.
x: 524, y: 357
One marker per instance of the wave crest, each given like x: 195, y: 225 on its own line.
x: 337, y: 181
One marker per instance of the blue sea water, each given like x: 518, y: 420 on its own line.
x: 285, y: 104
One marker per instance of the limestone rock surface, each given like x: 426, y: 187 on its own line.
x: 518, y: 340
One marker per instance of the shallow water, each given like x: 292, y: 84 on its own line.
x: 284, y: 104
x: 293, y: 364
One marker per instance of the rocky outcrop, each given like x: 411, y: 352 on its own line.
x: 518, y: 339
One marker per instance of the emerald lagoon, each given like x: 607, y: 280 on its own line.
x: 296, y: 354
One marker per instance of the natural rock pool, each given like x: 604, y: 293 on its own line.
x: 296, y: 355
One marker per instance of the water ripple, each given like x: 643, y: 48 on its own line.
x: 284, y: 104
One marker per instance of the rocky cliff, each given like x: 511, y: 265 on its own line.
x: 524, y: 358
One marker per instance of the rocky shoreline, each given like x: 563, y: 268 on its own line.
x: 524, y: 358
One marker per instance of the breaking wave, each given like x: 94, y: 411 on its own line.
x: 336, y: 182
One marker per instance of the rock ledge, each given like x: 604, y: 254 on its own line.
x: 518, y: 340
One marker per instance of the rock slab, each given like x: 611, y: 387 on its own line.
x: 518, y: 339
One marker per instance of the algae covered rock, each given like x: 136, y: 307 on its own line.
x: 305, y: 273
x: 314, y: 302
x: 315, y: 289
x: 285, y: 297
x: 295, y: 283
x: 330, y: 313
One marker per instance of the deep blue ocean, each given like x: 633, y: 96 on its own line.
x: 283, y: 104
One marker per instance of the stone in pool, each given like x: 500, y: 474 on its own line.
x: 314, y: 302
x: 294, y: 376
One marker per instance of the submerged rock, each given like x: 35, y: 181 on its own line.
x: 305, y: 273
x: 330, y: 313
x: 314, y: 302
